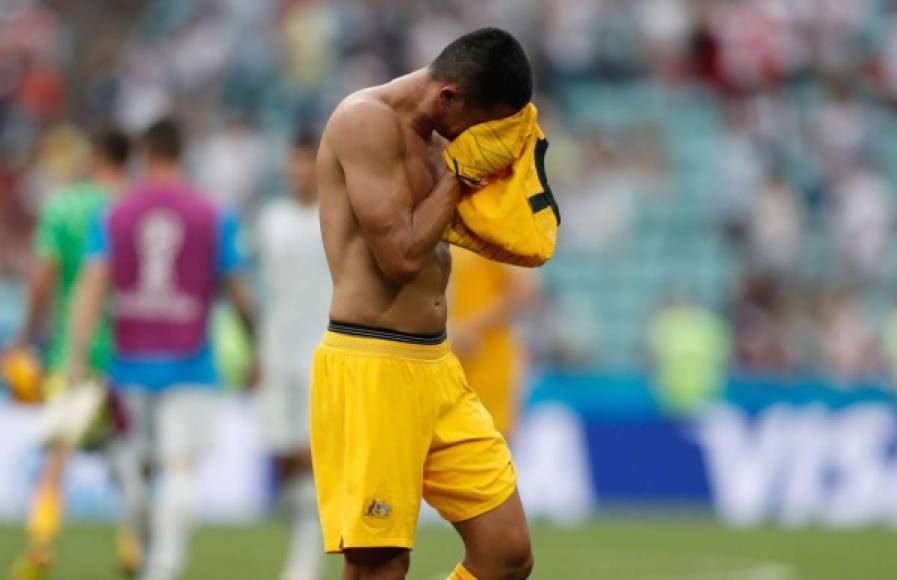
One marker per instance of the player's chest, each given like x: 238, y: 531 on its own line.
x: 420, y: 170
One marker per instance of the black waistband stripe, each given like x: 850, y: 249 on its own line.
x: 362, y: 331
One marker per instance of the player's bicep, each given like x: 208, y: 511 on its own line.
x: 379, y: 198
x: 377, y: 186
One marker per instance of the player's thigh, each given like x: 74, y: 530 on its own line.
x: 186, y: 424
x: 136, y: 438
x: 371, y: 425
x: 468, y: 470
x: 497, y: 543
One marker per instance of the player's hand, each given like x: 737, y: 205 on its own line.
x: 466, y: 189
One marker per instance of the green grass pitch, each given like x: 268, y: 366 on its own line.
x: 671, y: 548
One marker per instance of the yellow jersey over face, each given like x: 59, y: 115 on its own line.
x: 511, y: 216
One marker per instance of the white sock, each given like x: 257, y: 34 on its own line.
x: 171, y: 522
x: 128, y: 472
x: 304, y: 560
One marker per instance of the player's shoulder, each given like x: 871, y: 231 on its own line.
x: 194, y: 201
x: 56, y: 203
x: 63, y: 197
x: 364, y: 120
x: 69, y: 201
x: 364, y: 105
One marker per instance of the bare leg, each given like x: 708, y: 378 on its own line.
x: 45, y: 518
x: 376, y: 563
x: 291, y: 465
x: 497, y: 543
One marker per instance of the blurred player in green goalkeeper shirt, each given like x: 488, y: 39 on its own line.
x: 59, y: 245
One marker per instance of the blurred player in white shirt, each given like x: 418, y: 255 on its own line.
x: 296, y: 284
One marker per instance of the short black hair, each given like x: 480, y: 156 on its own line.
x: 164, y: 139
x: 489, y: 66
x: 114, y: 146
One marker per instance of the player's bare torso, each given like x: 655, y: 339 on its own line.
x: 362, y: 294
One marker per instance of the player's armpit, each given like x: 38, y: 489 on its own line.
x: 367, y: 138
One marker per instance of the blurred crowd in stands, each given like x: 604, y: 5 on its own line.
x: 726, y: 169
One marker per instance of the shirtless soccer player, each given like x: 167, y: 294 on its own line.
x: 393, y: 418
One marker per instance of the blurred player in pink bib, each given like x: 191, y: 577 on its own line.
x: 163, y: 252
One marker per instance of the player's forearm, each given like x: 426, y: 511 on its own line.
x: 86, y: 311
x: 33, y: 317
x: 40, y: 290
x: 403, y: 251
x: 431, y: 217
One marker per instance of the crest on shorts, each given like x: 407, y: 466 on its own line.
x: 378, y: 509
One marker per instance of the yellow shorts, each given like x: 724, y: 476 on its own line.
x: 391, y: 422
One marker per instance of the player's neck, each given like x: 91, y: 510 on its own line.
x: 163, y: 172
x: 111, y: 180
x: 409, y: 98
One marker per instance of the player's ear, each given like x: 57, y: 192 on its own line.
x: 449, y: 96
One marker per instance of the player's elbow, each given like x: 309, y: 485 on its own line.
x: 401, y: 270
x: 399, y: 261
